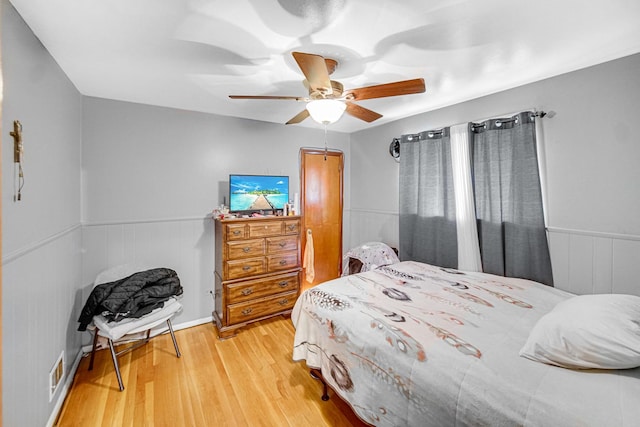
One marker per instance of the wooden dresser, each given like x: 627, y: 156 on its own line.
x: 257, y: 275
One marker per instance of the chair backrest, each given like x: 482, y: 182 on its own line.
x: 372, y: 255
x: 119, y: 272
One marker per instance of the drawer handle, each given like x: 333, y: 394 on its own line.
x: 246, y: 268
x: 247, y: 311
x: 282, y: 244
x: 283, y: 284
x: 292, y: 227
x: 284, y: 301
x: 283, y: 262
x: 236, y: 232
x: 246, y: 250
x: 247, y: 291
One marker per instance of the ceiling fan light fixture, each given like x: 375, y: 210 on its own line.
x: 326, y: 111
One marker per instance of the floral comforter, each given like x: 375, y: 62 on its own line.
x: 417, y: 345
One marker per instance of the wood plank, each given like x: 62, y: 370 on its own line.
x: 580, y: 264
x: 626, y: 266
x: 247, y: 380
x: 602, y: 265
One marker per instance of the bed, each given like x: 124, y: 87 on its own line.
x: 418, y: 345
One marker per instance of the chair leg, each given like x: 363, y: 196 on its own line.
x: 93, y: 349
x: 173, y: 337
x: 115, y: 364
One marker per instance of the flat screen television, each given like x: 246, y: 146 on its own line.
x: 255, y: 193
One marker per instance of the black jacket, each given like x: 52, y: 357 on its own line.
x: 133, y: 296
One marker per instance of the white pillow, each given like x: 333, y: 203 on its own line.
x: 588, y: 331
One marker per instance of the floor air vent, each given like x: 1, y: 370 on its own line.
x: 56, y: 375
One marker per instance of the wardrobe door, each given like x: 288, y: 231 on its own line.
x: 321, y: 181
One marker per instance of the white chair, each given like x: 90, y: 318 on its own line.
x: 130, y: 329
x: 367, y: 257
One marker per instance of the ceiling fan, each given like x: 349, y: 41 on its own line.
x: 328, y: 99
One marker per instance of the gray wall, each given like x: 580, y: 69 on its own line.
x: 591, y: 156
x: 152, y: 175
x: 41, y: 234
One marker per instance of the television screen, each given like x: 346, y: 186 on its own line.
x: 257, y: 192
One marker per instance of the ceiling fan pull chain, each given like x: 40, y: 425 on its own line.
x: 325, y: 142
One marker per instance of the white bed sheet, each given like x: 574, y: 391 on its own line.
x: 417, y: 345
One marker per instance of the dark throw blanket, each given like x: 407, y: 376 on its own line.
x: 132, y: 296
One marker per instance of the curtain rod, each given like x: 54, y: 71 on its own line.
x: 431, y: 133
x: 428, y: 134
x: 499, y: 121
x: 542, y: 114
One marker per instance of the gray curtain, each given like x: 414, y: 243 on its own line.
x: 508, y: 199
x: 427, y: 202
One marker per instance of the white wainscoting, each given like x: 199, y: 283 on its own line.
x: 373, y: 226
x: 583, y: 262
x: 182, y: 244
x: 41, y: 301
x: 587, y: 262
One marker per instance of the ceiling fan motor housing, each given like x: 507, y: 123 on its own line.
x: 337, y: 90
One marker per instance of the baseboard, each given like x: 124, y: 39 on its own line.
x: 87, y: 348
x: 193, y: 323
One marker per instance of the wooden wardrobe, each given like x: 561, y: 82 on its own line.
x: 321, y: 194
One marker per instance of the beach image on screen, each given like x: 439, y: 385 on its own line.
x: 258, y: 192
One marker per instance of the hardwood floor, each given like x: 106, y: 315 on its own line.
x: 246, y: 380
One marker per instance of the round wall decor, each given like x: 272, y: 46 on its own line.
x: 394, y: 149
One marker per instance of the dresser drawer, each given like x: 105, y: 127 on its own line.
x: 263, y: 229
x: 283, y: 261
x: 245, y: 248
x: 259, y: 288
x: 235, y: 231
x: 281, y: 244
x: 238, y: 269
x: 253, y: 309
x: 292, y: 226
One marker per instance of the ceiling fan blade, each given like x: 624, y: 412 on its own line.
x: 294, y: 98
x: 315, y: 70
x: 299, y: 117
x: 362, y: 113
x: 405, y: 87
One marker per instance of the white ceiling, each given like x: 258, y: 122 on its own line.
x: 192, y: 54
